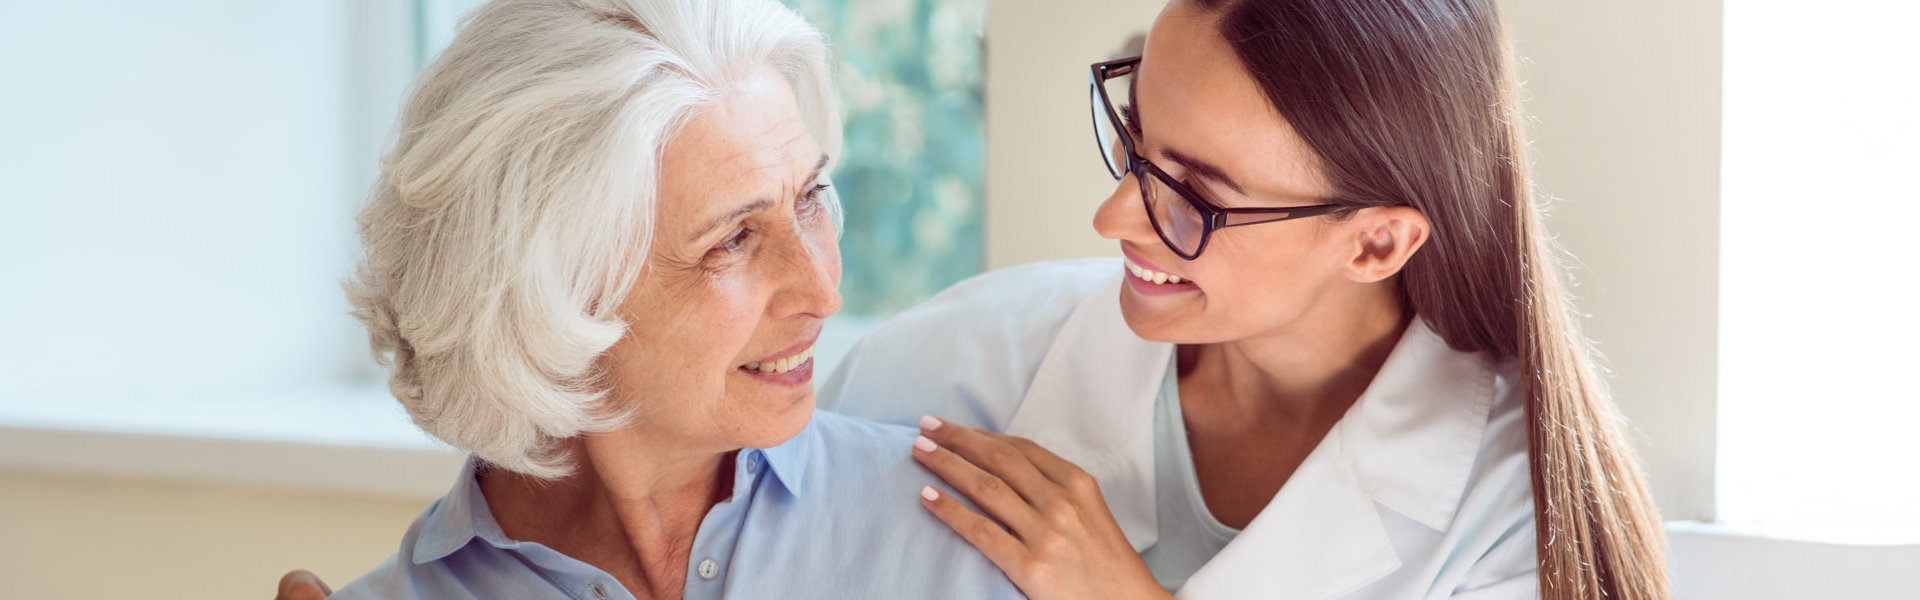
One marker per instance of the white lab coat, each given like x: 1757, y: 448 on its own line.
x: 1420, y: 491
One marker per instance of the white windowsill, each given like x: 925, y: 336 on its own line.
x: 353, y: 440
x: 1713, y: 561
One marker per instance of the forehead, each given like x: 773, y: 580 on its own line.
x: 746, y: 145
x: 1196, y: 97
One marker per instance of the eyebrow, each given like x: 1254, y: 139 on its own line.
x: 1201, y: 168
x: 743, y: 212
x: 818, y: 167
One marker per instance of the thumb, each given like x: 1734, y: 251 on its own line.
x: 302, y: 585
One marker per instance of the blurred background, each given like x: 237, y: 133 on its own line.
x: 187, y: 411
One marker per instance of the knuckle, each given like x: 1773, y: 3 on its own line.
x: 1082, y: 485
x: 1063, y: 516
x: 1051, y: 544
x: 1021, y: 443
x: 1001, y: 453
x: 989, y: 485
x: 982, y: 529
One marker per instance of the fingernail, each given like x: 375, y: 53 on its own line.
x: 929, y: 493
x: 924, y: 444
x: 929, y: 423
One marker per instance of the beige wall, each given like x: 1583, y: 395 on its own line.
x: 1043, y: 178
x: 1626, y: 99
x: 87, y: 537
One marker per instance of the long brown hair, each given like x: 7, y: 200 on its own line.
x: 1415, y: 103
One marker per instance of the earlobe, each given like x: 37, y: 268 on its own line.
x: 1386, y: 240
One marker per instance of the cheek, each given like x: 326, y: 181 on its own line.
x: 679, y: 354
x: 730, y: 308
x: 1261, y: 279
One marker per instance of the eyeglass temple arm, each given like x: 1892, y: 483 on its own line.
x: 1236, y: 218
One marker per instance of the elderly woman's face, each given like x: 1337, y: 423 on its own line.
x: 743, y: 270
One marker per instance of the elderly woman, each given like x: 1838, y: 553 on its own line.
x: 598, y: 259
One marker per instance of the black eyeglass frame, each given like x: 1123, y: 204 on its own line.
x: 1213, y: 217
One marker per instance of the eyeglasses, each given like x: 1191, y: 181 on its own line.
x: 1184, y: 219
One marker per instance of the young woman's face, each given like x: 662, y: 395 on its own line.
x: 1200, y: 117
x: 742, y: 274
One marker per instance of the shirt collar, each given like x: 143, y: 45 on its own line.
x: 788, y: 461
x: 463, y: 514
x: 457, y: 518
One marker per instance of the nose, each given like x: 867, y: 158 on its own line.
x: 1122, y: 216
x: 810, y: 285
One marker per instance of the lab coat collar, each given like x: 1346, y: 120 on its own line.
x: 1091, y: 402
x: 1408, y: 443
x: 1427, y: 406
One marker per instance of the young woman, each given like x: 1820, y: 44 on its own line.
x: 1337, y: 362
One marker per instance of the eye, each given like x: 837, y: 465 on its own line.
x: 1197, y: 188
x: 810, y: 201
x: 1130, y: 118
x: 737, y: 242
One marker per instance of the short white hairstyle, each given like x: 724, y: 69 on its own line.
x: 515, y: 209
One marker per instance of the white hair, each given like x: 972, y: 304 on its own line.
x: 516, y: 207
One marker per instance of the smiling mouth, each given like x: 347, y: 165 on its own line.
x: 1154, y: 277
x: 781, y: 365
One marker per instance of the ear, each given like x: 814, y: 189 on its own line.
x: 1384, y: 239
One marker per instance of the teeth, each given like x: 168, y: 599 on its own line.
x: 1152, y: 276
x: 781, y: 365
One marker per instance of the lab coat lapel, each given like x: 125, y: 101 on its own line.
x: 1408, y: 444
x: 1272, y: 557
x: 1091, y: 402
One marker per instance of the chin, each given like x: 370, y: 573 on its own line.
x: 1151, y: 324
x: 1174, y: 325
x: 777, y: 422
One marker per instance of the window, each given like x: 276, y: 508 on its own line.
x: 181, y: 184
x: 179, y: 187
x: 1817, y: 331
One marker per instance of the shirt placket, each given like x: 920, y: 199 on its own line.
x: 709, y: 565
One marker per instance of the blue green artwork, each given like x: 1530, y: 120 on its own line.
x: 911, y: 83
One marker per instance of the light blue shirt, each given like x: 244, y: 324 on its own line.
x: 832, y: 513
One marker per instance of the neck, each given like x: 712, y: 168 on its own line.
x: 1319, y: 364
x: 632, y: 508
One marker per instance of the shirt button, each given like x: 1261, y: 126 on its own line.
x: 753, y: 461
x: 709, y: 569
